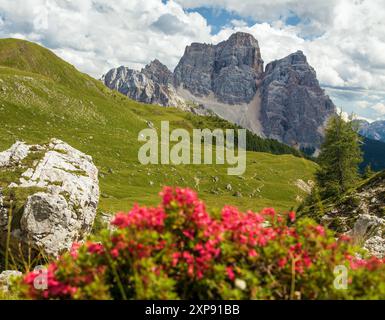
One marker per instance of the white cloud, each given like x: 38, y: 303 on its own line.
x: 344, y: 40
x: 380, y: 108
x: 97, y: 35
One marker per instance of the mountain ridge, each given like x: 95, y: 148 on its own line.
x: 229, y: 79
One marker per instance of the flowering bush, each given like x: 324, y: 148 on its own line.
x: 178, y: 251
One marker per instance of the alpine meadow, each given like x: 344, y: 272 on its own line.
x: 192, y: 150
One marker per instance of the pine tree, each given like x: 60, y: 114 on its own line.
x: 339, y: 158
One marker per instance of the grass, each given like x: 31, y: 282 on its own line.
x: 42, y: 97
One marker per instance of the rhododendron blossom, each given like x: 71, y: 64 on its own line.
x: 178, y: 250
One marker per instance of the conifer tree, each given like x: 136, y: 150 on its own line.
x: 339, y: 158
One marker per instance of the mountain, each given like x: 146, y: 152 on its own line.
x: 43, y: 97
x: 294, y: 108
x: 282, y: 102
x: 229, y: 71
x: 374, y: 130
x: 151, y: 85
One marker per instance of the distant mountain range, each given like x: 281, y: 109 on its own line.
x: 374, y: 130
x: 373, y: 146
x: 283, y: 101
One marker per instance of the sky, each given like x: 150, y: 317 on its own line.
x: 344, y: 40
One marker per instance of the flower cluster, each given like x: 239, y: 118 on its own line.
x: 55, y: 289
x: 178, y: 250
x: 141, y: 217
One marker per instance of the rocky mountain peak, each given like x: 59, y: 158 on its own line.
x: 158, y: 72
x: 295, y: 65
x: 283, y: 102
x: 241, y: 49
x: 242, y: 39
x: 228, y: 71
x: 294, y: 108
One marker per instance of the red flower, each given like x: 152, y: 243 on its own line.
x: 252, y: 253
x: 74, y: 249
x: 320, y: 230
x: 230, y: 273
x: 96, y: 248
x: 282, y: 262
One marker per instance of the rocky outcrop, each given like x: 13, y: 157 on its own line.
x: 294, y: 108
x: 151, y: 85
x: 360, y: 214
x: 368, y: 231
x: 229, y: 70
x: 14, y: 155
x: 53, y: 199
x: 158, y: 73
x: 284, y: 102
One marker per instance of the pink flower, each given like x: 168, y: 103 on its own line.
x: 230, y: 273
x: 114, y: 253
x: 292, y: 216
x: 74, y: 249
x: 252, y: 253
x: 320, y: 230
x: 282, y: 262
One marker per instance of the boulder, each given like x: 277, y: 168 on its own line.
x: 6, y: 277
x: 54, y: 198
x: 367, y: 232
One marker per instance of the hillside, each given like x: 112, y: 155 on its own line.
x: 41, y: 97
x: 358, y: 213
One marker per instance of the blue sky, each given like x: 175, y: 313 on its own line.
x: 346, y: 51
x: 218, y: 18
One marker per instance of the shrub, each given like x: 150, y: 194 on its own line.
x: 178, y: 251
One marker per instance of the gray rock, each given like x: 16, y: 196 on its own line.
x: 14, y: 155
x: 229, y: 70
x: 158, y: 72
x: 151, y: 85
x: 294, y: 108
x: 358, y: 216
x: 62, y: 203
x: 367, y: 226
x: 6, y: 277
x: 105, y: 220
x: 376, y: 246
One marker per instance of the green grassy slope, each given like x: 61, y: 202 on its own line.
x: 42, y: 97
